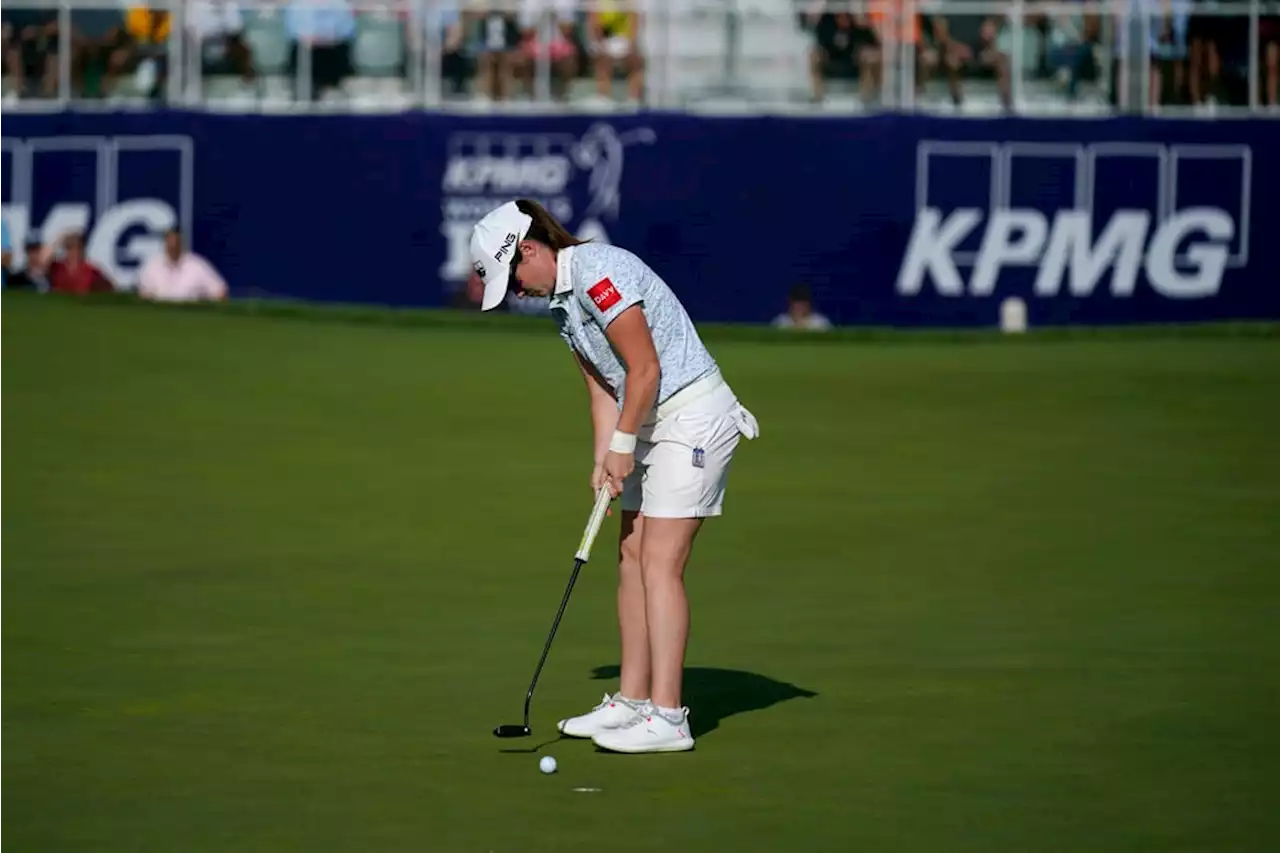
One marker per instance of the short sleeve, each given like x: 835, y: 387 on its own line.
x: 606, y: 290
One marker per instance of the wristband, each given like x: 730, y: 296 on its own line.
x: 622, y: 442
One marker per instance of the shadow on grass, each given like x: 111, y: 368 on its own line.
x: 714, y: 694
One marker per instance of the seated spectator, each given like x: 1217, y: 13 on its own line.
x: 892, y: 24
x: 215, y: 29
x: 143, y: 51
x: 96, y: 36
x: 34, y: 274
x: 968, y: 45
x: 73, y: 273
x: 800, y: 313
x: 1072, y: 40
x: 495, y: 43
x: 1217, y: 56
x: 614, y: 33
x: 179, y: 275
x: 559, y: 50
x: 456, y: 66
x: 328, y: 27
x: 842, y: 44
x: 31, y: 51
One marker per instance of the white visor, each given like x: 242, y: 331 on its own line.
x: 493, y: 245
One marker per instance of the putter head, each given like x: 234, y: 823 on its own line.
x: 512, y: 731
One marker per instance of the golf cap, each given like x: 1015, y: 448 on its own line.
x: 493, y: 245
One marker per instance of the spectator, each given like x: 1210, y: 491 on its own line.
x: 968, y: 45
x: 558, y: 49
x: 841, y: 44
x: 97, y: 35
x: 74, y: 273
x: 455, y: 63
x: 800, y: 313
x: 1169, y: 50
x: 1072, y: 40
x: 34, y: 274
x: 31, y: 51
x: 143, y: 51
x: 1168, y: 22
x: 215, y: 28
x: 328, y: 27
x: 175, y: 275
x: 1217, y: 55
x: 894, y: 22
x: 615, y: 33
x: 495, y: 44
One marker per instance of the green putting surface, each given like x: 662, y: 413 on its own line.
x: 269, y: 586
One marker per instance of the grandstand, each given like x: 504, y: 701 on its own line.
x: 755, y: 55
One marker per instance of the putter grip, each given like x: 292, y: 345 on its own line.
x: 593, y: 524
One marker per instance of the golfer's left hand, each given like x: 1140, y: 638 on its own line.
x: 617, y: 466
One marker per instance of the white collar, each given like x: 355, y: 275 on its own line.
x: 564, y: 275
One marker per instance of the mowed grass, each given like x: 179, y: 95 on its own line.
x: 269, y: 586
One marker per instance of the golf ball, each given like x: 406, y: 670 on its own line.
x: 547, y: 764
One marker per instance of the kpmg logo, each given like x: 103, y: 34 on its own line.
x: 577, y: 179
x: 1107, y: 217
x: 121, y: 192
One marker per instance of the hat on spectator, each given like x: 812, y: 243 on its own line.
x: 493, y: 249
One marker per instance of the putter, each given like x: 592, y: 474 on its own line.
x: 584, y: 551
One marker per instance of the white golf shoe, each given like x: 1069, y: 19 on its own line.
x: 648, y: 732
x: 614, y: 711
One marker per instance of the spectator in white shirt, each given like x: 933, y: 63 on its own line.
x: 216, y: 31
x: 800, y: 313
x: 177, y: 275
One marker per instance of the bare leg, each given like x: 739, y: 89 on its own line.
x: 666, y: 545
x: 632, y: 624
x: 815, y: 72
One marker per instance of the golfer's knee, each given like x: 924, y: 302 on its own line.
x: 630, y: 568
x: 660, y: 566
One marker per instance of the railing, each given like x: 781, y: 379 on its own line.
x: 968, y: 56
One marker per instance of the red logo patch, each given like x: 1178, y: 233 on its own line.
x: 604, y: 294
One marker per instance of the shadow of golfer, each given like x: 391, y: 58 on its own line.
x: 713, y: 694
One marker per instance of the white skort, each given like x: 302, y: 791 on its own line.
x: 683, y: 455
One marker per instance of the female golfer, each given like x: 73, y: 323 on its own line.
x: 666, y: 427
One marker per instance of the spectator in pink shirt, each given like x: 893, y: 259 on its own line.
x: 176, y: 275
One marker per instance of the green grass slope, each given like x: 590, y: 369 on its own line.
x: 270, y: 585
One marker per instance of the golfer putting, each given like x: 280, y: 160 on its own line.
x: 666, y: 425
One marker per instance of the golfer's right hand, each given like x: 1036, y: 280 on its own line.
x: 598, y: 479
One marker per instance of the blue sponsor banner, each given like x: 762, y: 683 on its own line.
x: 892, y: 220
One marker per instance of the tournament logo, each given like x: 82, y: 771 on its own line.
x: 577, y: 178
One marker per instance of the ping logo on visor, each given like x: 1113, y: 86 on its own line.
x: 507, y: 243
x: 604, y: 294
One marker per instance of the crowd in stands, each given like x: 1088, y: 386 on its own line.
x: 1196, y: 59
x: 485, y: 50
x: 492, y: 51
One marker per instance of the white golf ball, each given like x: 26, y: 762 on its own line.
x: 547, y: 764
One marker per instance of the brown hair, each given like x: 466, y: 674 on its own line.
x: 545, y: 228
